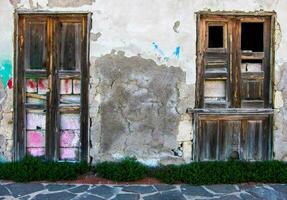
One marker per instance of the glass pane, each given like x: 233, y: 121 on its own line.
x: 76, y: 86
x: 70, y: 90
x: 69, y: 136
x: 69, y: 121
x: 36, y: 90
x: 69, y: 154
x: 35, y: 45
x: 66, y: 86
x: 70, y: 46
x: 36, y: 120
x: 35, y: 132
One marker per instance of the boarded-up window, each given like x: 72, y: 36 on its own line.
x: 233, y: 82
x: 52, y: 70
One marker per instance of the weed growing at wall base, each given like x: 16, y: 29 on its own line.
x: 200, y: 173
x: 34, y: 169
x: 129, y: 169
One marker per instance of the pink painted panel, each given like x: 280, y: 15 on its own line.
x: 76, y: 86
x: 35, y: 120
x: 66, y: 86
x: 31, y: 86
x: 70, y: 138
x: 69, y: 153
x: 35, y: 139
x: 36, y: 151
x: 69, y: 121
x: 42, y: 86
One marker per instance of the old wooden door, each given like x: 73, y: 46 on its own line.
x: 233, y: 115
x: 51, y: 87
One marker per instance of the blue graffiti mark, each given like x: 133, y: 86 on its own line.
x: 177, y: 52
x: 156, y: 47
x: 5, y: 71
x: 166, y: 58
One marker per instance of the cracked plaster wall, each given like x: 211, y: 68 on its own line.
x: 142, y: 56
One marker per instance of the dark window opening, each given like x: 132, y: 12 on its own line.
x: 251, y: 61
x: 252, y: 37
x: 215, y: 36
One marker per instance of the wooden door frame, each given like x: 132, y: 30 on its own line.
x: 18, y: 106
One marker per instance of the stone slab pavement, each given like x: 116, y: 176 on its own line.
x: 61, y: 191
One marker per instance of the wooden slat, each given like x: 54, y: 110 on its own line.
x: 252, y: 55
x: 252, y: 75
x: 215, y: 75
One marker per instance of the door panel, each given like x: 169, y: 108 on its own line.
x: 51, y: 110
x: 35, y: 44
x: 220, y: 138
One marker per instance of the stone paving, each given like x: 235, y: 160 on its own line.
x: 144, y: 192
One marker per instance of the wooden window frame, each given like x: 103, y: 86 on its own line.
x: 233, y: 72
x: 233, y: 112
x: 52, y: 142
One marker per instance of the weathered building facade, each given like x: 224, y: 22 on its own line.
x: 169, y: 82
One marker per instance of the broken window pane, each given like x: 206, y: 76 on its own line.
x: 215, y: 36
x: 252, y: 37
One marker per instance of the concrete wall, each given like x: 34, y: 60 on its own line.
x: 142, y: 56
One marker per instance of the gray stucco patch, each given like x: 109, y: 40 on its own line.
x: 138, y: 108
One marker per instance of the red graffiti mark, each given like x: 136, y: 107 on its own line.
x: 10, y: 83
x: 66, y: 85
x: 42, y: 84
x: 31, y: 84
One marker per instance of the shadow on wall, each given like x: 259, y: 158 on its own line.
x: 139, y: 102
